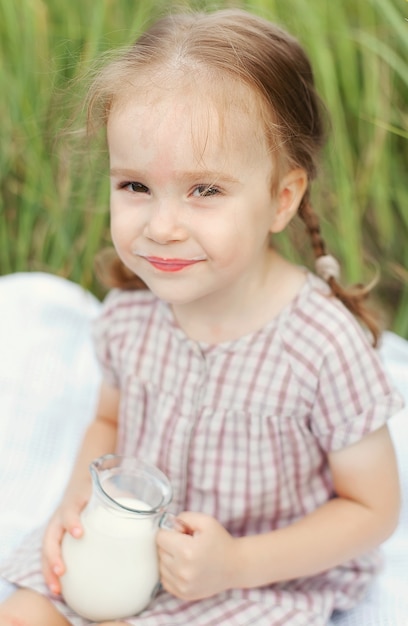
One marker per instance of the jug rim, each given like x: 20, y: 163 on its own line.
x: 102, y: 463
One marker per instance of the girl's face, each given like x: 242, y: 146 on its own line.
x: 191, y: 204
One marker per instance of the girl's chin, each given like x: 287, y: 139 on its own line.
x: 171, y: 294
x: 175, y: 295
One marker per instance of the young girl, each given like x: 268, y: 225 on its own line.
x: 242, y: 376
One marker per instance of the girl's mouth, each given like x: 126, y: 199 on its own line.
x: 171, y: 265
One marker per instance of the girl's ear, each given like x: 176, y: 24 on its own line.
x: 290, y: 193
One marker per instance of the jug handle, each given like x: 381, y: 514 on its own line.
x: 172, y: 522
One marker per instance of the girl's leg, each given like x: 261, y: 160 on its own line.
x: 28, y: 608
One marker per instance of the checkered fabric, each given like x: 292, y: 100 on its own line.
x: 242, y: 429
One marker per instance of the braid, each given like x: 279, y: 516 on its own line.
x: 352, y: 297
x: 312, y: 224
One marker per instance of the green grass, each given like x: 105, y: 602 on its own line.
x: 53, y: 203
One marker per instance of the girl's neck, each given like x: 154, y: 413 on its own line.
x: 227, y: 316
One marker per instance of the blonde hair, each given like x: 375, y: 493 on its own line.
x: 253, y: 52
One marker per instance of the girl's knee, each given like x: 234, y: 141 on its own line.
x: 9, y: 620
x: 27, y: 608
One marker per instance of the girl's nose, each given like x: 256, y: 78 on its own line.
x: 164, y: 223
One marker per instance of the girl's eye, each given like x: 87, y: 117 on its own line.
x: 135, y: 187
x: 204, y: 191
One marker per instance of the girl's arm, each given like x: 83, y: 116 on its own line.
x: 99, y: 439
x: 100, y: 436
x: 364, y: 513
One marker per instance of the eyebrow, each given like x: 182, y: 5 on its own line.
x: 206, y: 175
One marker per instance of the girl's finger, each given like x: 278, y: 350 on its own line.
x: 70, y: 515
x: 53, y: 566
x: 72, y: 524
x: 65, y: 519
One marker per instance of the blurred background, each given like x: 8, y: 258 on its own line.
x: 54, y: 190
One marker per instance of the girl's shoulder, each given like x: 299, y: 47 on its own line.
x: 124, y: 311
x: 317, y: 327
x: 317, y: 315
x: 125, y: 318
x: 338, y: 371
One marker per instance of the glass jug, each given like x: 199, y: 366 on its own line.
x: 112, y: 570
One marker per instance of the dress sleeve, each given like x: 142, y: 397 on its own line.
x: 354, y: 396
x: 103, y: 330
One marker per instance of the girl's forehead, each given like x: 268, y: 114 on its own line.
x: 216, y: 118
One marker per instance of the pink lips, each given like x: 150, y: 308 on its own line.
x: 171, y: 265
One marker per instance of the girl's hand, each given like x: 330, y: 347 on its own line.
x: 99, y: 439
x: 65, y: 519
x: 196, y: 566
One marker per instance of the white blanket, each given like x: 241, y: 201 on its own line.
x: 48, y: 386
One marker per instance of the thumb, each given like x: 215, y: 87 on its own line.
x: 196, y: 522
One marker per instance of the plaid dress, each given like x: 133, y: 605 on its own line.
x: 242, y: 429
